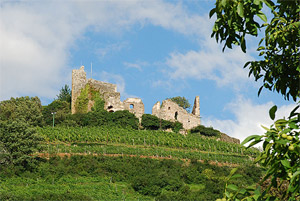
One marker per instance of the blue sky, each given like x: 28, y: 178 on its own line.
x: 150, y: 49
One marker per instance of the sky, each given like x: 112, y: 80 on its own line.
x: 151, y: 49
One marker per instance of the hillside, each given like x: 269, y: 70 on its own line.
x: 111, y: 163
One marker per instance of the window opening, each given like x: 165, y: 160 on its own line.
x: 131, y: 106
x: 176, y: 115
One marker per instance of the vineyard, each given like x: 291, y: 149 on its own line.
x: 114, y: 140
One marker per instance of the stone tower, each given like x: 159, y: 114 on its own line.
x: 78, y: 82
x: 196, y: 108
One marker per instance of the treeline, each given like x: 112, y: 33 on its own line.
x: 30, y: 110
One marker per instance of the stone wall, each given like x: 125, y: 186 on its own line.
x: 107, y: 91
x: 78, y: 83
x: 171, y: 111
x: 135, y: 106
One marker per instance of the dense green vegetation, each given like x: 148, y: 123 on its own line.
x: 206, y: 131
x: 117, y: 178
x: 151, y: 122
x: 278, y: 69
x: 182, y: 102
x: 141, y: 137
x: 101, y: 155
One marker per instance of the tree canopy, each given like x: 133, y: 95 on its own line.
x: 65, y: 94
x: 279, y: 66
x: 278, y: 49
x: 182, y: 102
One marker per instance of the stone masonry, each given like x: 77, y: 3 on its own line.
x: 171, y: 111
x: 107, y: 91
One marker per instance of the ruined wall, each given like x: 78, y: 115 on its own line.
x: 171, y: 111
x: 78, y: 83
x: 135, y: 106
x: 107, y: 91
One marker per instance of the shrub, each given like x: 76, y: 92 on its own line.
x: 206, y: 131
x: 24, y: 109
x: 152, y: 122
x: 61, y: 108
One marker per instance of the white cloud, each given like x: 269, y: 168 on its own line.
x: 137, y: 65
x: 210, y: 63
x: 110, y: 49
x: 36, y: 36
x: 249, y: 118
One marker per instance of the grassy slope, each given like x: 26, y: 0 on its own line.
x: 119, y: 178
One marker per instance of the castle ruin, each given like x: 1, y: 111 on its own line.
x: 169, y: 110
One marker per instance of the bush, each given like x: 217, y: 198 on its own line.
x: 123, y: 119
x: 24, y: 109
x: 152, y: 122
x: 61, y: 108
x: 206, y: 131
x: 19, y: 141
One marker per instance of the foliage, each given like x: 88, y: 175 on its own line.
x: 123, y: 119
x: 24, y: 109
x: 206, y: 131
x: 279, y: 68
x: 61, y: 109
x: 152, y: 122
x: 19, y: 141
x: 280, y: 53
x: 182, y: 102
x: 281, y: 151
x: 114, y: 178
x: 128, y: 136
x: 81, y: 104
x: 65, y: 94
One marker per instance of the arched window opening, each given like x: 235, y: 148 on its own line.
x: 131, y: 106
x: 176, y: 115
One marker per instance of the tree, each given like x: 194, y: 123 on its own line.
x: 24, y: 109
x: 182, y: 102
x: 65, y: 94
x: 18, y: 137
x: 279, y: 64
x: 18, y: 142
x: 61, y: 109
x: 280, y: 69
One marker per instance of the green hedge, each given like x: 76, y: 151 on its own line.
x: 152, y: 122
x: 206, y: 131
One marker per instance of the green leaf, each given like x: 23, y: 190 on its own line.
x: 262, y: 16
x: 236, y: 176
x: 294, y: 177
x: 250, y: 138
x: 256, y: 2
x: 240, y: 9
x: 286, y: 163
x: 243, y: 44
x: 232, y: 172
x: 267, y: 129
x: 232, y: 187
x: 293, y: 112
x: 272, y: 112
x: 212, y: 12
